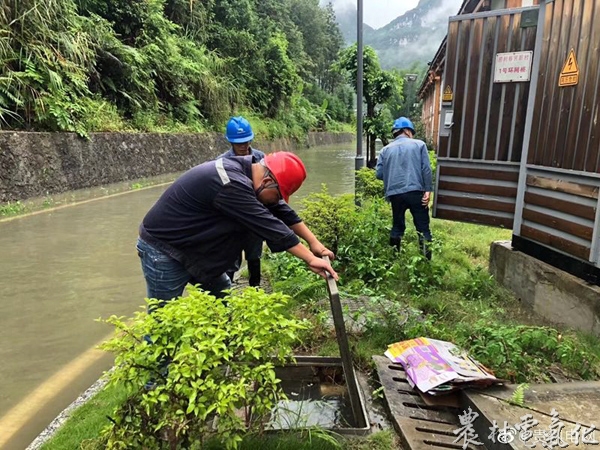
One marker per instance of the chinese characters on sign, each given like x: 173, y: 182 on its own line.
x: 513, y: 67
x: 557, y: 435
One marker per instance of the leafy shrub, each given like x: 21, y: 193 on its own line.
x: 367, y: 184
x: 330, y: 218
x: 421, y: 274
x: 211, y: 364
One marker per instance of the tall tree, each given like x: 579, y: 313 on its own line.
x: 378, y: 86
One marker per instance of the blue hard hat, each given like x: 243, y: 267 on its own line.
x: 401, y: 123
x: 238, y: 130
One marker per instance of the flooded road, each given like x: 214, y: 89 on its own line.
x: 64, y: 268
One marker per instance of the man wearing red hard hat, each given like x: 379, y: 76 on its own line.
x: 197, y: 228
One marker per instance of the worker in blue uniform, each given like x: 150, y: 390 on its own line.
x: 197, y: 228
x: 239, y: 134
x: 405, y: 169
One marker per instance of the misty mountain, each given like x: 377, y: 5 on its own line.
x: 412, y: 37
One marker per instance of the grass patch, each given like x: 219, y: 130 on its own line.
x: 86, y: 422
x: 453, y: 297
x: 82, y: 431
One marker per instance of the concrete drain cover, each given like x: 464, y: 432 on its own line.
x: 421, y: 426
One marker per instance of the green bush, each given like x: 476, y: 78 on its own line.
x: 210, y: 364
x: 367, y: 184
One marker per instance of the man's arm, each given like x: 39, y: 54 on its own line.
x: 315, y: 245
x: 315, y: 264
x: 426, y: 174
x: 379, y: 166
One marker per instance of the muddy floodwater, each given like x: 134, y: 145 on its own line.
x: 62, y: 269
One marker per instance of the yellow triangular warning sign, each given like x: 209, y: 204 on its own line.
x: 569, y: 75
x: 448, y: 95
x: 570, y: 66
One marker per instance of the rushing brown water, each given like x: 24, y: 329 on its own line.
x: 64, y: 268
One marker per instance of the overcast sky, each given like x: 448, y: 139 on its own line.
x: 378, y: 13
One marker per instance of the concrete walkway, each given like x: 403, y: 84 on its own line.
x: 561, y: 415
x: 551, y: 416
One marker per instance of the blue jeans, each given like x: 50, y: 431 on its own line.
x: 166, y: 277
x: 420, y: 213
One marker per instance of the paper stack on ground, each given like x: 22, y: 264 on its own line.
x: 439, y: 367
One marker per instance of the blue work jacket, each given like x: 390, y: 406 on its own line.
x: 404, y: 166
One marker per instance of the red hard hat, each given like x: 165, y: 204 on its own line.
x: 288, y: 170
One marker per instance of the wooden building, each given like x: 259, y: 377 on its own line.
x: 519, y: 132
x: 430, y: 91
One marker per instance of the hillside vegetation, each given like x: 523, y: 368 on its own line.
x: 169, y: 65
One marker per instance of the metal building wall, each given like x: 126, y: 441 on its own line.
x: 557, y: 201
x: 479, y: 153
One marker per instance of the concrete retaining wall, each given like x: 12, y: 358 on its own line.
x: 39, y: 164
x: 555, y: 295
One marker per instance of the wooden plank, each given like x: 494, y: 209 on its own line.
x: 542, y: 100
x: 460, y: 87
x: 556, y: 242
x: 580, y: 34
x: 582, y: 190
x: 557, y: 54
x: 488, y: 189
x: 487, y: 50
x: 472, y: 83
x: 575, y: 229
x: 522, y: 102
x: 510, y: 91
x: 486, y: 174
x: 591, y: 76
x: 453, y: 29
x: 561, y: 104
x: 594, y: 142
x: 495, y: 121
x: 482, y: 219
x: 477, y: 203
x: 579, y: 210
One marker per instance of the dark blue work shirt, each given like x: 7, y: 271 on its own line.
x: 202, y: 219
x: 256, y: 154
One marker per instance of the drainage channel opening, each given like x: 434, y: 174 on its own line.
x: 316, y: 396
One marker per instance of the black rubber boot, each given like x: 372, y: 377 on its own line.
x: 424, y: 247
x: 396, y: 242
x: 230, y: 274
x: 254, y: 272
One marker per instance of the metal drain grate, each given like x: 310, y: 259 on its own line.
x: 421, y: 426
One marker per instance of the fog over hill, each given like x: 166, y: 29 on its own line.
x: 413, y: 36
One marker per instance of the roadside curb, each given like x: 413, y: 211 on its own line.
x: 58, y: 422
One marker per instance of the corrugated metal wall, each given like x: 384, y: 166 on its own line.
x: 564, y: 131
x: 478, y: 162
x: 557, y: 202
x: 526, y: 154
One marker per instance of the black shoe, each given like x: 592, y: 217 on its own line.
x: 396, y: 242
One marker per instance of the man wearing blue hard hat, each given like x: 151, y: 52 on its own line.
x: 239, y: 134
x: 404, y: 167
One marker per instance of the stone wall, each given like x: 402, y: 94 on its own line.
x: 38, y: 164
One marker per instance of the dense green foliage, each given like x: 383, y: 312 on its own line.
x: 91, y: 65
x: 403, y: 296
x: 210, y: 365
